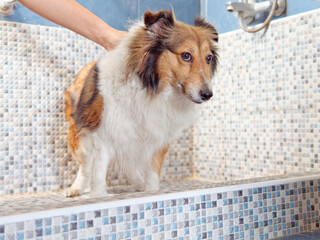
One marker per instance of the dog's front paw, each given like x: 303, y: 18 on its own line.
x: 152, y: 183
x: 152, y: 188
x: 72, y: 192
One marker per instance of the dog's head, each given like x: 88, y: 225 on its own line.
x: 168, y: 53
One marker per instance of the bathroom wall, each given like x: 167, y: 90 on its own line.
x: 216, y: 12
x: 117, y: 13
x: 264, y: 118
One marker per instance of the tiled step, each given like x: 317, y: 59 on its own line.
x: 188, y: 209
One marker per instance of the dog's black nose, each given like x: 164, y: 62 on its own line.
x: 205, y: 95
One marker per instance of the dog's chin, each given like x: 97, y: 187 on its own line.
x: 196, y: 100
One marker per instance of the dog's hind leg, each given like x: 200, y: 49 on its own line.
x: 80, y: 183
x: 152, y: 177
x: 83, y: 176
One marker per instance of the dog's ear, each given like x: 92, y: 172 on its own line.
x: 200, y: 22
x: 158, y: 23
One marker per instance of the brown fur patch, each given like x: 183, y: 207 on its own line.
x: 200, y: 22
x: 87, y: 114
x: 77, y: 85
x: 77, y: 98
x: 91, y: 114
x: 73, y: 140
x: 158, y: 159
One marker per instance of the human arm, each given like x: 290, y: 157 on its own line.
x: 71, y: 15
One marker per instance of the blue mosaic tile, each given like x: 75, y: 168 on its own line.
x: 38, y: 232
x: 47, y: 231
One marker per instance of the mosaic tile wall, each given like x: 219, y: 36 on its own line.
x: 255, y: 213
x: 37, y: 65
x: 264, y: 118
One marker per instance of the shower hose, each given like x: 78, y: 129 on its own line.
x: 264, y: 24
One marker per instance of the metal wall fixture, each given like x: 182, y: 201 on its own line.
x: 246, y: 10
x: 7, y: 7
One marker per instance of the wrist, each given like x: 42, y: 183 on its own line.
x: 103, y: 33
x: 110, y: 37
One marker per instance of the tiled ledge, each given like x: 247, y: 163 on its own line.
x: 126, y: 195
x: 188, y: 209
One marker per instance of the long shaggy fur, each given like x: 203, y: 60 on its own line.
x: 127, y: 107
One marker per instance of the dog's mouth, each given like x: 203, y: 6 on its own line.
x: 197, y: 98
x: 197, y: 102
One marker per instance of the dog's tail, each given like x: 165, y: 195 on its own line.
x: 72, y: 96
x: 69, y: 105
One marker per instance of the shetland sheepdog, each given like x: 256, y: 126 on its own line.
x: 128, y: 106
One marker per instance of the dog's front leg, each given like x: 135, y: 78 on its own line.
x: 151, y: 181
x: 99, y: 173
x: 152, y: 177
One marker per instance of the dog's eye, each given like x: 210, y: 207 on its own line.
x: 209, y: 59
x: 186, y: 57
